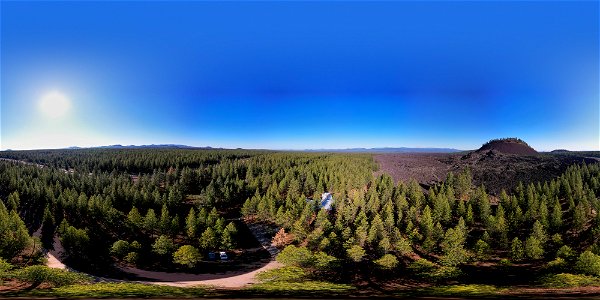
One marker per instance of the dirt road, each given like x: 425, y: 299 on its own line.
x: 52, y: 256
x: 231, y: 279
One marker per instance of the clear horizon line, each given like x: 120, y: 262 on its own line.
x: 271, y: 149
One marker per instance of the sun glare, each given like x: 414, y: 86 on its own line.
x: 54, y: 104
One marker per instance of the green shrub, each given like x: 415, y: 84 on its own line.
x: 403, y: 246
x: 37, y: 275
x: 421, y: 265
x: 290, y: 280
x: 565, y: 252
x: 300, y: 288
x: 187, y: 255
x: 517, y: 252
x: 119, y: 248
x: 132, y: 257
x: 588, y: 263
x: 482, y: 250
x: 296, y: 256
x: 463, y: 290
x: 595, y: 248
x: 163, y: 245
x: 445, y: 273
x: 121, y: 290
x: 5, y: 267
x: 564, y: 280
x: 533, y: 248
x: 558, y: 264
x: 135, y: 245
x: 387, y: 262
x: 430, y: 271
x: 288, y: 273
x: 356, y: 253
x: 324, y: 262
x: 505, y: 262
x: 557, y: 239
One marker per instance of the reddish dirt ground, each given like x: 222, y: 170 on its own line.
x: 423, y: 167
x: 235, y: 279
x: 491, y: 168
x: 508, y: 146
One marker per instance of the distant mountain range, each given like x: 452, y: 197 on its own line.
x: 165, y: 146
x: 350, y: 150
x: 389, y: 150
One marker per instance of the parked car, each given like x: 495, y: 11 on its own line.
x: 212, y: 256
x: 223, y: 255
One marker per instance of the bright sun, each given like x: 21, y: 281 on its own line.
x: 54, y: 104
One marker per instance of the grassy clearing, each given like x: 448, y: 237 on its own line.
x: 37, y: 275
x: 566, y: 280
x: 462, y: 290
x: 289, y: 274
x: 120, y: 290
x: 295, y: 281
x: 309, y: 286
x: 432, y: 272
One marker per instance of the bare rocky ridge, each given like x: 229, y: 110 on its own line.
x: 508, y: 146
x: 498, y: 164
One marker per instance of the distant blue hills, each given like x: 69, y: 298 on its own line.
x: 349, y: 150
x: 166, y: 146
x: 389, y: 150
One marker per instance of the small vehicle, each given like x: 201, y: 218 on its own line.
x: 212, y: 256
x: 223, y: 255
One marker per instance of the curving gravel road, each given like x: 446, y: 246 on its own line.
x: 230, y: 279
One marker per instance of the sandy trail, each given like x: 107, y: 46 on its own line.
x: 52, y: 256
x: 231, y: 279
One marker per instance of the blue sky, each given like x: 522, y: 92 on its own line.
x: 297, y: 75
